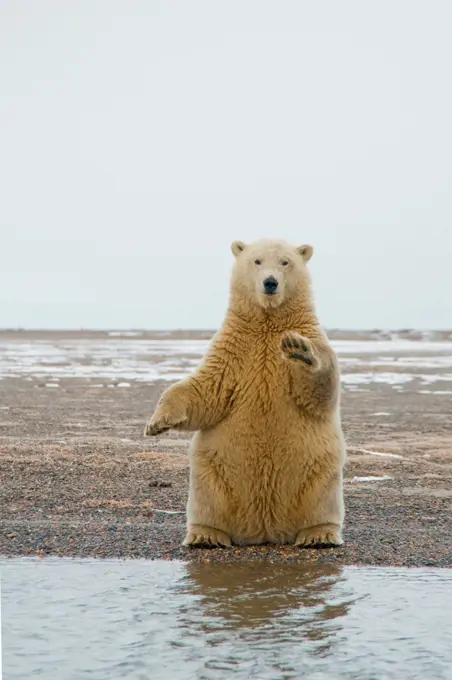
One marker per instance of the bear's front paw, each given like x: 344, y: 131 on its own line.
x: 161, y: 422
x: 298, y: 348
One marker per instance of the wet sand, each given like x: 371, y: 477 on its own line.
x: 78, y: 478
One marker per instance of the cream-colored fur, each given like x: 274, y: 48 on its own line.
x: 266, y: 460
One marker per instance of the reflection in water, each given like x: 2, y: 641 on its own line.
x: 248, y: 594
x: 292, y: 599
x: 267, y: 605
x: 76, y: 620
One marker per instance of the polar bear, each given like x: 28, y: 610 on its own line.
x: 267, y: 457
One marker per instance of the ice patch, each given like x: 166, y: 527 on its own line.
x: 432, y: 378
x: 167, y: 512
x: 125, y: 334
x: 445, y: 392
x: 356, y: 480
x: 390, y: 346
x: 394, y: 379
x: 398, y: 362
x: 357, y: 450
x: 367, y: 378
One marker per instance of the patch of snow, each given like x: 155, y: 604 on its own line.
x: 400, y: 362
x: 435, y: 377
x: 445, y: 392
x: 357, y: 450
x: 167, y: 512
x: 389, y: 346
x: 125, y: 334
x: 356, y: 480
x: 367, y: 378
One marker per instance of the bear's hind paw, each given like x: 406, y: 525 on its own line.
x: 323, y: 535
x: 199, y: 536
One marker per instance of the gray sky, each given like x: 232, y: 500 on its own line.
x: 139, y: 138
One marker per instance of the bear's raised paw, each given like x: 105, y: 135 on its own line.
x: 298, y: 348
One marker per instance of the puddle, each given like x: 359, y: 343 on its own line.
x: 106, y: 620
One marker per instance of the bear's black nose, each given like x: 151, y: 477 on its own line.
x: 270, y: 285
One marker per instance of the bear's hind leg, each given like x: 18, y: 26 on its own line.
x: 209, y: 500
x: 323, y: 514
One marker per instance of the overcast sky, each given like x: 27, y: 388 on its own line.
x: 139, y: 138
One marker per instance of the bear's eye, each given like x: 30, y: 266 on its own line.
x: 285, y: 263
x: 257, y: 262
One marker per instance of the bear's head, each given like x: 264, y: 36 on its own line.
x: 269, y: 273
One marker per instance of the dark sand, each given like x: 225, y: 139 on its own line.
x: 78, y: 478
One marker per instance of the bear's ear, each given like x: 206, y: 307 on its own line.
x: 237, y: 247
x: 306, y: 252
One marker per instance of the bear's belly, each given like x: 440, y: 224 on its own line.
x: 260, y: 477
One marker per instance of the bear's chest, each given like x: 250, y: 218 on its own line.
x: 263, y: 380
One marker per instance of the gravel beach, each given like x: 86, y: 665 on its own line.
x: 79, y: 479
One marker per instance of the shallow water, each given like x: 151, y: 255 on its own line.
x: 73, y: 620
